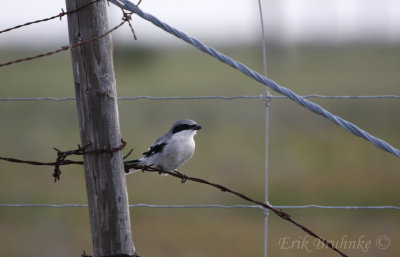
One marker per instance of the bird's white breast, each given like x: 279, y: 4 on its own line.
x: 179, y: 149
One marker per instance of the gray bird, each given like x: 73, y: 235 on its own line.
x: 171, y: 150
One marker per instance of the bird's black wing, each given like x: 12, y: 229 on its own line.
x: 156, y: 148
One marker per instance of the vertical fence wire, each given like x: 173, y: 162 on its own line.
x: 267, y: 105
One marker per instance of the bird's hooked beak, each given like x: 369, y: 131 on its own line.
x: 196, y: 127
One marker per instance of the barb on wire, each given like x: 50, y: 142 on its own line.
x: 128, y: 16
x: 280, y: 213
x: 62, y: 157
x: 65, y: 48
x: 60, y: 15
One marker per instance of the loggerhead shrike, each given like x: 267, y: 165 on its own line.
x: 171, y: 150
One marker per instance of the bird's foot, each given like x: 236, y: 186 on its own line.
x: 184, y: 177
x: 161, y: 171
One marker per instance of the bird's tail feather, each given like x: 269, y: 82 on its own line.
x: 130, y: 166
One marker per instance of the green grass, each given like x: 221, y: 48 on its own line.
x: 311, y: 160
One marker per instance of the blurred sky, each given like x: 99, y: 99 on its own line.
x: 222, y: 21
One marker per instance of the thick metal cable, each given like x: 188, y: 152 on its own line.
x: 350, y: 127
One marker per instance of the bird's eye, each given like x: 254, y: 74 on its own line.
x: 181, y: 127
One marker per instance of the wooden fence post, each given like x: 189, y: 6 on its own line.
x: 96, y: 98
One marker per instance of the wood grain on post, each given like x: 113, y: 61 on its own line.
x: 96, y: 98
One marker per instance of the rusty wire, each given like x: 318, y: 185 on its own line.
x: 64, y: 48
x: 126, y: 18
x: 62, y: 157
x: 60, y: 15
x: 61, y: 160
x: 280, y: 213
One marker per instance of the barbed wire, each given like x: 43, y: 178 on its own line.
x: 62, y: 160
x: 279, y: 213
x: 213, y: 97
x: 62, y: 157
x: 126, y: 18
x: 63, y: 13
x: 64, y: 48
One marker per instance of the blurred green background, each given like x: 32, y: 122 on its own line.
x: 311, y: 160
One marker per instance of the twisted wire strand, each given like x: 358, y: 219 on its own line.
x: 350, y: 127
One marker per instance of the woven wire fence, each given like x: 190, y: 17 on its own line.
x: 266, y: 96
